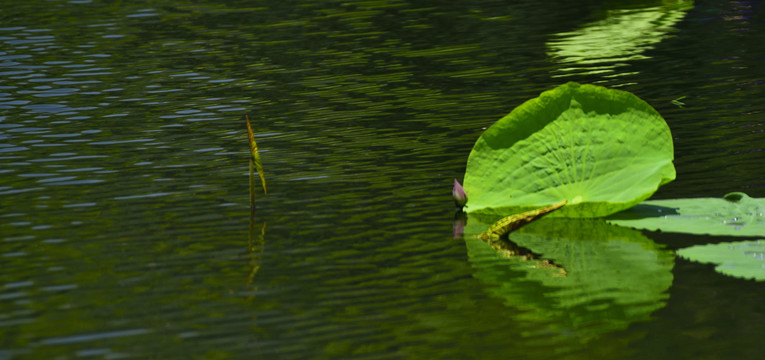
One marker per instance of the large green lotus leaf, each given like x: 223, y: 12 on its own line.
x: 744, y: 259
x: 602, y: 150
x: 736, y: 214
x: 613, y: 276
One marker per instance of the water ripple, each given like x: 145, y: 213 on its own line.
x: 123, y: 176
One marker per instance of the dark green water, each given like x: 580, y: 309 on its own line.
x: 124, y: 219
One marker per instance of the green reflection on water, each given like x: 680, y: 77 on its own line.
x: 613, y: 277
x: 602, y: 46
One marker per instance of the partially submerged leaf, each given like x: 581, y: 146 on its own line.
x: 736, y: 214
x: 603, y: 150
x: 743, y: 259
x: 254, y: 155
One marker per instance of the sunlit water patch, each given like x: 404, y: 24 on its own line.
x: 602, y: 47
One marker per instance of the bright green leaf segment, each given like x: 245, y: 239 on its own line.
x: 744, y: 259
x: 736, y: 214
x: 603, y: 150
x: 605, y: 277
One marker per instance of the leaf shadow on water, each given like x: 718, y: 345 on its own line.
x: 614, y: 276
x: 643, y: 211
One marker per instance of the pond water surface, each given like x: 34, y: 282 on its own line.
x: 125, y: 226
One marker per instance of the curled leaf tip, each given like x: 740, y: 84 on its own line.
x: 459, y: 195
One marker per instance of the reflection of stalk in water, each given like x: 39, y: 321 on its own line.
x: 255, y: 248
x: 510, y: 249
x: 252, y: 187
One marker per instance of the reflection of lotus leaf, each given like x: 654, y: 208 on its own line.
x: 603, y: 150
x: 744, y: 259
x: 614, y: 276
x: 736, y: 214
x: 624, y: 34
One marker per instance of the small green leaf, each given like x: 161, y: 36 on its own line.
x: 677, y: 101
x: 736, y: 214
x: 602, y: 150
x: 743, y: 259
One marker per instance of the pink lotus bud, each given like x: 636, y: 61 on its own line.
x: 459, y: 195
